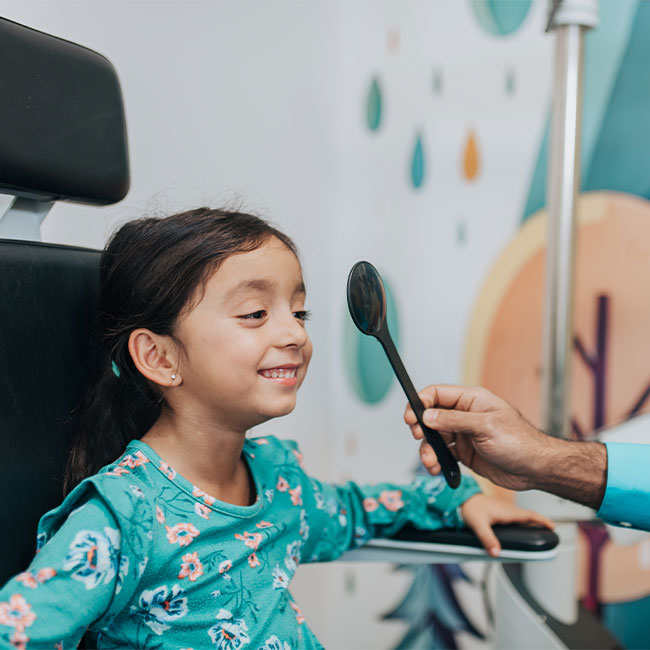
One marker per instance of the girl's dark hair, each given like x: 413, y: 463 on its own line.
x: 150, y: 270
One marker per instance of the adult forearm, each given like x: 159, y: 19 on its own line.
x: 573, y: 470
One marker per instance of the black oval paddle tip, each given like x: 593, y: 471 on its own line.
x: 366, y: 298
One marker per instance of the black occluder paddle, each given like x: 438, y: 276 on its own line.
x: 367, y: 305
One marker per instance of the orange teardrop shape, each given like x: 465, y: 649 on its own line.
x: 471, y: 163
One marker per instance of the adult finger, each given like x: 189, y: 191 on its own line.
x: 447, y: 437
x: 454, y: 421
x: 428, y: 397
x: 416, y: 430
x: 457, y: 398
x: 429, y: 458
x: 450, y: 396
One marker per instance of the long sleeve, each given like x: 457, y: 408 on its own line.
x: 88, y: 564
x: 343, y: 517
x: 627, y: 495
x: 69, y: 584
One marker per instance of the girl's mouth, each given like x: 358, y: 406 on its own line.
x: 286, y: 376
x: 279, y: 373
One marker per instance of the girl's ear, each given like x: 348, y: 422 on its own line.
x: 155, y: 356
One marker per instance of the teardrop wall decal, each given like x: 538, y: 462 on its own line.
x: 374, y: 105
x: 461, y: 233
x: 437, y: 82
x: 418, y: 163
x: 500, y: 17
x: 471, y: 162
x: 510, y: 84
x: 392, y: 41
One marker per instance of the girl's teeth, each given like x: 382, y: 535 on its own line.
x: 281, y: 373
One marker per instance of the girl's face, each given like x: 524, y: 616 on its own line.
x: 246, y: 350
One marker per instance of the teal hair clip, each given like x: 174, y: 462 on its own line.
x: 116, y: 370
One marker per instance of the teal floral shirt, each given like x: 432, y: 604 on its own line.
x: 138, y: 557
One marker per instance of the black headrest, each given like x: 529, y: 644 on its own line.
x: 63, y: 132
x: 48, y: 300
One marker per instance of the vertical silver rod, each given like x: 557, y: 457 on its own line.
x: 562, y: 189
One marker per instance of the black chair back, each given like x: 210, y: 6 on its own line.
x: 48, y: 303
x: 63, y: 137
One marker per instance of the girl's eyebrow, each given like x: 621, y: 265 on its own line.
x: 260, y: 285
x: 263, y: 286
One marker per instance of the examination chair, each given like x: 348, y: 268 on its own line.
x: 64, y: 138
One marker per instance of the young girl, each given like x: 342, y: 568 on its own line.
x: 190, y: 538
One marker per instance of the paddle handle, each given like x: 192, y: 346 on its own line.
x: 450, y: 469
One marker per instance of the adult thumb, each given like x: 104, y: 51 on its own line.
x: 450, y: 420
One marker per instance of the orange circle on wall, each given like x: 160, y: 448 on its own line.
x: 503, y: 349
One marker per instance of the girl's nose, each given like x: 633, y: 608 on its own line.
x: 292, y: 333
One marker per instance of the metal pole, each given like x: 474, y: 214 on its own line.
x: 569, y: 19
x: 555, y: 589
x: 562, y: 190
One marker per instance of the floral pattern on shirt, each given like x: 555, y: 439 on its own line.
x: 252, y: 540
x: 153, y: 561
x: 133, y: 460
x: 273, y: 643
x: 181, y: 534
x: 32, y: 580
x: 229, y: 633
x: 93, y: 556
x: 17, y: 613
x: 391, y: 500
x: 159, y: 607
x: 280, y: 578
x: 191, y: 567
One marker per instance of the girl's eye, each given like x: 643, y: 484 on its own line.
x: 302, y: 315
x: 256, y: 315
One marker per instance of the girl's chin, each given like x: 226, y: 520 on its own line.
x: 278, y: 412
x: 281, y: 411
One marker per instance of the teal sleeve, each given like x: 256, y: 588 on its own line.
x: 343, y: 517
x: 68, y: 585
x: 627, y: 494
x: 87, y: 567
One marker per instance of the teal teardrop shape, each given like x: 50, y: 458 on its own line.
x: 500, y: 17
x: 365, y: 362
x: 373, y: 105
x: 461, y: 233
x: 510, y: 82
x: 437, y: 82
x: 418, y: 164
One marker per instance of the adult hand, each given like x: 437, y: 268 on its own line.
x: 483, y: 432
x: 492, y: 438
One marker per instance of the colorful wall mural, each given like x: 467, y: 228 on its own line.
x: 503, y: 342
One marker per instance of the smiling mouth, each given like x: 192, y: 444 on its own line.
x: 279, y: 373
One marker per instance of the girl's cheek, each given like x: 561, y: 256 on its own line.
x: 308, y: 351
x: 306, y: 358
